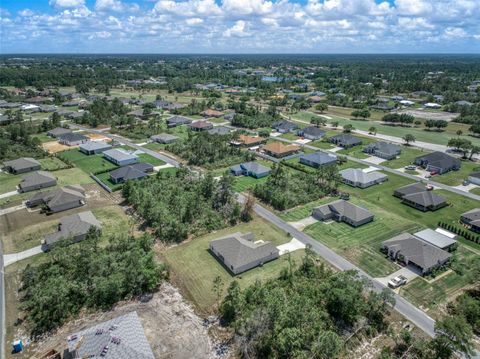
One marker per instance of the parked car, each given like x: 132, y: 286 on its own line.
x: 397, y: 282
x: 411, y: 167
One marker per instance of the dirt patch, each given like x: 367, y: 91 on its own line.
x: 427, y: 115
x: 98, y: 137
x: 54, y: 147
x: 171, y: 326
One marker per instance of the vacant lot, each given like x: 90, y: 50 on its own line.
x: 55, y: 147
x: 52, y: 164
x: 193, y: 268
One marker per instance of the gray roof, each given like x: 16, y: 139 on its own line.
x: 59, y: 131
x: 473, y: 216
x: 346, y: 209
x: 123, y: 336
x: 37, y: 178
x: 320, y: 157
x: 384, y: 147
x: 410, y: 189
x: 21, y: 163
x: 284, y: 125
x: 312, y: 131
x: 164, y: 137
x: 358, y: 175
x: 346, y: 139
x: 439, y: 159
x: 60, y: 196
x: 239, y: 249
x: 132, y: 172
x: 74, y: 225
x: 94, y: 145
x: 179, y: 120
x: 254, y: 167
x: 425, y: 198
x: 474, y: 174
x: 417, y: 251
x: 72, y: 137
x: 437, y: 239
x: 119, y: 154
x: 219, y: 130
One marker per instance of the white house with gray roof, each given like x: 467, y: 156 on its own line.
x: 37, y: 180
x: 94, y: 147
x: 318, y: 159
x: 238, y: 252
x: 356, y: 177
x: 164, y: 138
x: 120, y: 157
x: 343, y: 211
x: 120, y: 338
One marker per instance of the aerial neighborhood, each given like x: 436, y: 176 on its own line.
x: 239, y: 207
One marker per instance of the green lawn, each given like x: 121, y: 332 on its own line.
x: 146, y: 158
x: 43, y: 137
x: 243, y: 183
x: 89, y: 164
x: 406, y: 157
x: 52, y: 164
x: 475, y: 191
x: 193, y: 268
x: 455, y: 178
x: 290, y: 136
x: 105, y: 178
x: 155, y: 146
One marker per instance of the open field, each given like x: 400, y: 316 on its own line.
x: 193, y: 268
x: 52, y: 164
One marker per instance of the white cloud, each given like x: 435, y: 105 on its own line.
x: 115, y: 5
x: 414, y: 7
x: 237, y: 30
x: 66, y: 3
x: 193, y: 21
x: 100, y: 35
x: 26, y: 12
x: 247, y: 7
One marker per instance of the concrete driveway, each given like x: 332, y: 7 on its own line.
x: 301, y: 224
x: 408, y: 272
x: 15, y: 257
x: 12, y: 209
x: 8, y: 194
x: 375, y: 160
x: 291, y: 246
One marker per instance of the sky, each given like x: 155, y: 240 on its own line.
x: 240, y: 26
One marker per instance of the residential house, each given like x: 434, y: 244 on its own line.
x: 120, y: 157
x: 438, y: 162
x: 164, y: 138
x: 248, y: 141
x: 72, y: 139
x: 58, y: 200
x: 252, y: 169
x: 37, y: 180
x: 239, y: 253
x: 311, y: 133
x: 175, y: 121
x: 343, y: 211
x: 74, y: 228
x: 472, y: 219
x: 211, y: 113
x: 318, y: 159
x: 432, y: 105
x: 437, y: 239
x: 200, y: 126
x: 356, y: 177
x: 220, y: 130
x: 383, y: 150
x: 166, y: 105
x: 474, y: 178
x: 284, y: 126
x: 94, y: 147
x: 119, y: 338
x: 412, y: 250
x: 345, y: 140
x: 279, y: 150
x: 141, y: 114
x: 131, y: 172
x: 21, y: 165
x: 58, y: 131
x: 463, y: 103
x: 420, y: 197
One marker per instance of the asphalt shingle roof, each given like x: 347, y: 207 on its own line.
x: 74, y: 225
x: 358, y: 175
x: 20, y: 163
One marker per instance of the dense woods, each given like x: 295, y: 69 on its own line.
x: 182, y: 203
x: 87, y: 275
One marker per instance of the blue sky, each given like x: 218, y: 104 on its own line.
x: 240, y: 26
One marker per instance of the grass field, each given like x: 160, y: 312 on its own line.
x: 193, y: 268
x: 475, y: 191
x: 406, y: 157
x: 146, y: 158
x: 243, y: 183
x: 89, y: 164
x: 52, y: 164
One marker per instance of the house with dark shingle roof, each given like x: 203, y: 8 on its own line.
x: 22, y: 165
x: 252, y: 169
x: 384, y: 150
x: 420, y: 197
x: 220, y: 130
x: 72, y: 139
x: 472, y: 219
x: 345, y: 140
x: 133, y: 172
x: 412, y: 250
x: 239, y: 253
x: 438, y: 162
x: 119, y: 338
x: 58, y: 131
x: 58, y: 200
x: 74, y: 228
x: 343, y: 211
x: 318, y: 159
x: 311, y: 133
x: 120, y: 157
x: 37, y: 180
x: 164, y: 138
x: 175, y: 121
x: 356, y: 177
x: 94, y: 147
x: 284, y: 126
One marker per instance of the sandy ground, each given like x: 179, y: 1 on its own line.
x: 171, y: 326
x: 98, y: 137
x: 54, y: 147
x: 438, y: 115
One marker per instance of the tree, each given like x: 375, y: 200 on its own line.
x: 408, y: 138
x: 348, y: 128
x: 474, y: 150
x: 475, y: 129
x: 321, y: 107
x: 217, y: 288
x: 459, y: 133
x: 334, y: 124
x: 372, y: 130
x: 247, y: 211
x: 318, y: 121
x: 452, y: 334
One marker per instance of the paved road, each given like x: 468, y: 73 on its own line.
x: 391, y: 170
x: 2, y: 303
x: 127, y: 142
x: 15, y: 257
x: 408, y: 310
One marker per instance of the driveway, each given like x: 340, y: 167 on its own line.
x: 467, y: 188
x: 15, y: 257
x: 291, y: 246
x: 8, y: 194
x: 301, y: 224
x: 408, y: 272
x: 12, y: 209
x: 375, y: 160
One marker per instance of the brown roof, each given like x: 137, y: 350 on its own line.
x: 249, y: 140
x: 201, y: 124
x: 316, y: 98
x: 212, y: 113
x: 279, y: 148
